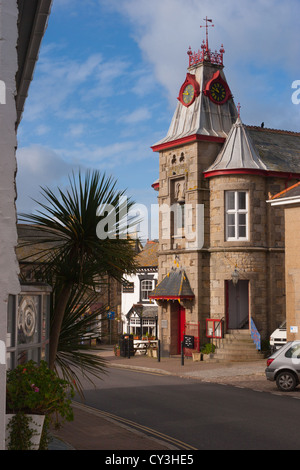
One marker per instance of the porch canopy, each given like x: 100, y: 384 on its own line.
x: 175, y: 286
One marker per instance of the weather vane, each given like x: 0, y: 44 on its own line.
x: 207, y: 26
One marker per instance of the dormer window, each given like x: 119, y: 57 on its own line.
x: 236, y: 217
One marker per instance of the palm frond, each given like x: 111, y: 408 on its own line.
x: 81, y: 321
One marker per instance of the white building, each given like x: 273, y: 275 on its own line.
x: 139, y: 313
x: 22, y: 27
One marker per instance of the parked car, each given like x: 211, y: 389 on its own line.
x: 284, y: 366
x: 278, y: 337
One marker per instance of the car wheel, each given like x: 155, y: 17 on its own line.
x: 286, y: 381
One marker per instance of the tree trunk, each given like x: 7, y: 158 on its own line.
x: 58, y: 315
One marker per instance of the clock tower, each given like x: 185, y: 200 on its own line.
x: 203, y: 117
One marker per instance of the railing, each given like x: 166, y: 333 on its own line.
x: 255, y: 335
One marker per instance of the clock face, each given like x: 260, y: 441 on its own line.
x: 217, y: 92
x: 188, y: 94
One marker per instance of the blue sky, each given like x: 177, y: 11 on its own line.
x: 109, y: 71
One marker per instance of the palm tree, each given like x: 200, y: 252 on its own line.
x: 83, y: 317
x: 72, y: 254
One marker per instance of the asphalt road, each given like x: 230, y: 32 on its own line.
x: 203, y: 415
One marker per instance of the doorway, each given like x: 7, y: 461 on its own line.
x: 237, y: 305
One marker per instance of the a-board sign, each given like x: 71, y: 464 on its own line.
x: 188, y: 341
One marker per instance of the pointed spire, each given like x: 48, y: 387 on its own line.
x: 238, y: 151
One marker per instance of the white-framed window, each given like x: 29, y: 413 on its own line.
x: 178, y: 219
x: 236, y: 218
x: 146, y: 288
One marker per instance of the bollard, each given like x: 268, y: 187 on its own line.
x: 158, y: 351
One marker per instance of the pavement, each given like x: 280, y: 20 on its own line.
x: 94, y: 429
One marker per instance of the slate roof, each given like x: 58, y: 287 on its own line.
x: 174, y: 286
x: 279, y: 150
x: 144, y: 311
x: 255, y: 148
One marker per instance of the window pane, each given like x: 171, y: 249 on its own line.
x: 242, y: 226
x: 230, y: 200
x: 293, y: 352
x: 242, y: 200
x: 231, y: 231
x: 242, y: 219
x: 242, y: 231
x: 231, y: 219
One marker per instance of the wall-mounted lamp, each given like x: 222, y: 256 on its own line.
x: 235, y: 276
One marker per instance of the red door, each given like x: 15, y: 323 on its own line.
x: 181, y: 326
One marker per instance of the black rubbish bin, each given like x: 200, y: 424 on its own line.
x: 126, y: 345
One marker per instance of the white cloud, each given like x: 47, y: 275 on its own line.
x: 75, y: 130
x: 58, y: 79
x: 261, y: 40
x: 38, y: 167
x: 136, y: 116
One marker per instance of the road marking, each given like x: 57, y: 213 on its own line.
x: 140, y: 427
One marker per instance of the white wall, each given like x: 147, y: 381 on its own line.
x: 9, y: 283
x: 129, y: 299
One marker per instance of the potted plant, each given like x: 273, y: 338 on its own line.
x: 117, y: 350
x: 35, y: 396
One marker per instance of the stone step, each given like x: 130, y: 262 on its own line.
x: 237, y: 352
x: 237, y: 346
x: 239, y: 332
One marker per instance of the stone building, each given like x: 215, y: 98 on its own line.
x: 215, y: 227
x: 289, y: 199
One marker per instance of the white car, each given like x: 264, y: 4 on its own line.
x: 278, y: 337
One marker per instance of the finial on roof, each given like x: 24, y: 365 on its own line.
x: 207, y: 26
x: 205, y: 54
x: 239, y: 110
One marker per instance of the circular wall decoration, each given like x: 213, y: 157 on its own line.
x: 27, y: 318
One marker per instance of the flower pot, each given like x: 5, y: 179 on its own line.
x: 196, y: 356
x: 36, y: 424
